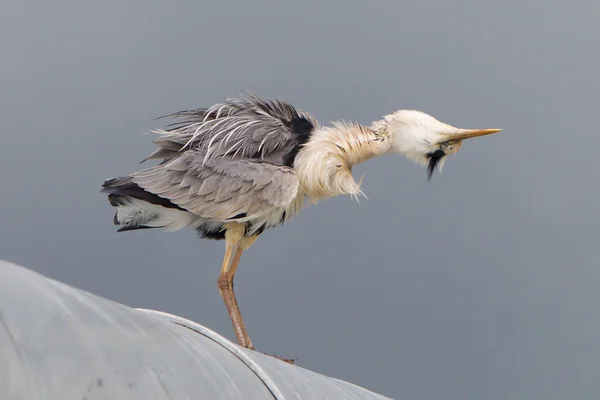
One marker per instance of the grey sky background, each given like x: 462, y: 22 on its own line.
x: 480, y: 284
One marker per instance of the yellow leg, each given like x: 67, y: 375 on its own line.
x: 246, y: 342
x: 243, y: 244
x: 233, y: 240
x: 235, y: 244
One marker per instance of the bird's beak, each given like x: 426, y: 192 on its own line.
x: 471, y: 133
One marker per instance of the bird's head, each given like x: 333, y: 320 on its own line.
x: 424, y: 139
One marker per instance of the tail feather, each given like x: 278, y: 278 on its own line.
x: 140, y: 209
x: 124, y: 186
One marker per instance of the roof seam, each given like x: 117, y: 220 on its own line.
x: 223, y: 342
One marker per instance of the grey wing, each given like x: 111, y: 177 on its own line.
x: 245, y: 127
x: 222, y: 189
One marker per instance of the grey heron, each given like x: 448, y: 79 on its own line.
x: 248, y: 164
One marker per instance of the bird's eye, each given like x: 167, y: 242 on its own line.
x: 451, y: 146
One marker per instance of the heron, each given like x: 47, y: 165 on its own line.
x: 247, y: 164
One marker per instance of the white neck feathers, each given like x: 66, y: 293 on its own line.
x: 324, y: 164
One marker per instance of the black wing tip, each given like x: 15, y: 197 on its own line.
x: 122, y: 188
x: 114, y: 183
x: 127, y: 228
x: 107, y: 183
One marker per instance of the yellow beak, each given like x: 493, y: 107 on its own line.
x: 471, y: 133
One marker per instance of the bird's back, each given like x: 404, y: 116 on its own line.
x: 245, y: 127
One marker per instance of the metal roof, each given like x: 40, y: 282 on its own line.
x: 59, y: 342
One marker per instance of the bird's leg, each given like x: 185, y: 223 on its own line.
x: 235, y: 240
x: 226, y: 294
x: 233, y: 236
x: 243, y: 244
x: 246, y: 342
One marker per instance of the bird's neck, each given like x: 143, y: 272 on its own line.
x: 324, y: 164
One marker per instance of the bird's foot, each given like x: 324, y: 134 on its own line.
x: 287, y: 360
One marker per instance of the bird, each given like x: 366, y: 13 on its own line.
x: 248, y: 163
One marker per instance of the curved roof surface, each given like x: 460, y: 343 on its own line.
x: 58, y: 342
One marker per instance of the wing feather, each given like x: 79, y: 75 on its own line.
x: 244, y: 127
x: 230, y: 161
x: 223, y: 187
